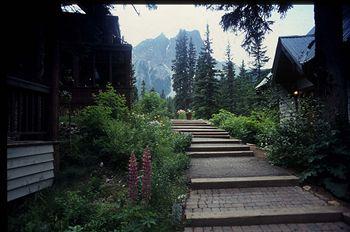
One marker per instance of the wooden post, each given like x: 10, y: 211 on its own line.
x: 53, y: 73
x: 3, y: 149
x: 55, y: 101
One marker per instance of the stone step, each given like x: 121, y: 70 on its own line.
x: 258, y: 205
x: 194, y: 127
x: 222, y: 136
x: 210, y: 154
x: 201, y: 130
x: 218, y: 147
x: 243, y: 182
x: 208, y: 133
x: 289, y: 227
x: 215, y: 140
x: 266, y: 216
x: 188, y: 122
x: 219, y: 167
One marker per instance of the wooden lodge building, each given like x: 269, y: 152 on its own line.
x: 293, y: 69
x: 76, y: 48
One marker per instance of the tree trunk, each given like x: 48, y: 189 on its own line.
x: 330, y: 65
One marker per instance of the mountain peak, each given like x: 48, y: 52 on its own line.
x: 161, y: 36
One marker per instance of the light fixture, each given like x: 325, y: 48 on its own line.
x: 295, y: 93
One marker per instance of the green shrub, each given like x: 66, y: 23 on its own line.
x: 182, y: 141
x: 153, y: 106
x: 181, y: 114
x: 308, y: 144
x: 256, y: 128
x: 219, y: 118
x: 117, y: 103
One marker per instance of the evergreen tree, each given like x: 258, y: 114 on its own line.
x: 258, y: 52
x: 180, y: 75
x: 221, y: 100
x: 227, y: 82
x: 191, y: 71
x: 245, y: 94
x: 170, y: 106
x: 205, y: 83
x: 134, y: 91
x: 143, y: 88
x: 162, y: 95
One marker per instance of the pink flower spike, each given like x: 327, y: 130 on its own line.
x: 147, y: 174
x: 132, y: 178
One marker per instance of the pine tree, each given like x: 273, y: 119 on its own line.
x: 162, y: 95
x: 227, y: 83
x: 143, y: 88
x: 205, y: 83
x: 170, y: 105
x: 245, y: 94
x: 180, y: 75
x: 134, y: 91
x: 191, y: 71
x: 258, y: 52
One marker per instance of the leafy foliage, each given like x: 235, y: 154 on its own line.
x: 308, y: 143
x: 257, y: 128
x: 153, y: 106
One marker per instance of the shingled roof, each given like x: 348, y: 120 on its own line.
x: 301, y: 49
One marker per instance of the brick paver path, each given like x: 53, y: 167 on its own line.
x: 235, y: 191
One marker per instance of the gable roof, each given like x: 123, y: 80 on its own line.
x: 264, y: 81
x: 301, y: 49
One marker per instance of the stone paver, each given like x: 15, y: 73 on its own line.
x: 304, y: 227
x: 215, y: 140
x: 220, y: 200
x: 232, y: 167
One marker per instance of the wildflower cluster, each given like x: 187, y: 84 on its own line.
x: 133, y: 178
x: 146, y: 177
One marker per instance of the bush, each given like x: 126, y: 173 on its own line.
x: 308, y: 144
x: 256, y: 128
x: 153, y: 106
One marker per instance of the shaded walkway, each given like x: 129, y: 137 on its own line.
x: 231, y: 190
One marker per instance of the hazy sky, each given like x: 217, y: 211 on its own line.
x: 169, y: 19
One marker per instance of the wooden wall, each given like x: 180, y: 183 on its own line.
x: 30, y: 168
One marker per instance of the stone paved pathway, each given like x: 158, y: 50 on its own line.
x: 231, y: 190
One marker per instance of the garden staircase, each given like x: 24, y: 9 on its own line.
x: 231, y: 190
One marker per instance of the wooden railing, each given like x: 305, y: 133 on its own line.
x: 27, y: 109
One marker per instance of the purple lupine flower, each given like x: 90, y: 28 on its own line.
x: 133, y: 178
x: 147, y: 173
